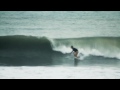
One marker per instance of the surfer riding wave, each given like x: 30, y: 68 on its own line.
x: 75, y: 51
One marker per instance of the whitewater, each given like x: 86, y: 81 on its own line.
x: 40, y: 72
x: 36, y: 44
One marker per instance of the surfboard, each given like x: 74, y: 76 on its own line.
x: 76, y: 58
x: 79, y: 57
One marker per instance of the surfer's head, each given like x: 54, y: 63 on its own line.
x: 71, y: 46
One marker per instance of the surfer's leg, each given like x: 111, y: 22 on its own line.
x: 75, y: 54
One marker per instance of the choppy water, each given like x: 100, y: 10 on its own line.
x: 60, y: 24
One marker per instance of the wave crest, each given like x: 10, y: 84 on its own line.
x: 25, y: 43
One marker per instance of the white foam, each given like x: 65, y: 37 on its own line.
x: 95, y: 72
x: 63, y: 49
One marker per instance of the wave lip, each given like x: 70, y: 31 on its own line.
x: 24, y: 43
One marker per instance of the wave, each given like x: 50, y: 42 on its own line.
x: 26, y: 50
x: 30, y: 50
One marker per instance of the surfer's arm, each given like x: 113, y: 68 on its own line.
x: 71, y: 52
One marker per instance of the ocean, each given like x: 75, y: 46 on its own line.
x: 36, y: 44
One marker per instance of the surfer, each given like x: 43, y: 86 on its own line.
x: 75, y: 51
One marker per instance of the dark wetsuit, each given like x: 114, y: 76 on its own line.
x: 75, y: 50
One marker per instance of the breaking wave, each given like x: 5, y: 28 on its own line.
x: 95, y: 46
x: 30, y: 50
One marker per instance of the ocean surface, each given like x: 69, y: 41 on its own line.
x: 38, y: 42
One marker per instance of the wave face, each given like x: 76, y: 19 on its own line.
x: 33, y: 51
x: 25, y: 50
